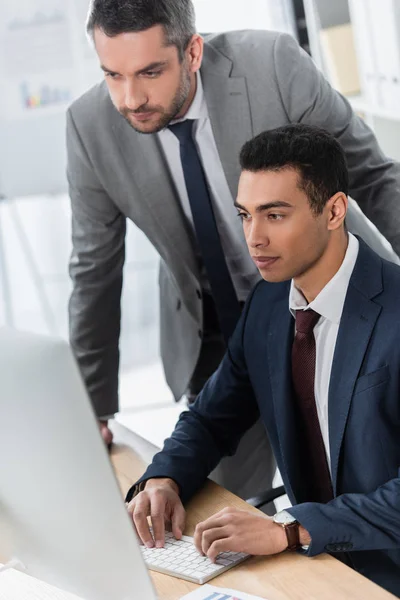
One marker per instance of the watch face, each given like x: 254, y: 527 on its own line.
x: 284, y: 518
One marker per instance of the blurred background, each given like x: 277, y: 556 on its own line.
x: 46, y: 62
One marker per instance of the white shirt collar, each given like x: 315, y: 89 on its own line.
x: 198, y: 108
x: 330, y: 301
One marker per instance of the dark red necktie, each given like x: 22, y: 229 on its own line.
x: 303, y: 374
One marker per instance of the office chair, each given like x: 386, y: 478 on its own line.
x: 266, y: 497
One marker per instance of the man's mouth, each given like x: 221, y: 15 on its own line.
x: 263, y: 262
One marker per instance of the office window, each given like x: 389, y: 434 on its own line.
x: 225, y: 15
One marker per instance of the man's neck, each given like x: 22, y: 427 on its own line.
x: 190, y: 98
x: 315, y: 279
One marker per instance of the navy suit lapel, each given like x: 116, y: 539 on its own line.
x: 279, y: 344
x: 357, y: 323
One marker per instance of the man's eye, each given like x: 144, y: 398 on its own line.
x: 275, y: 217
x: 152, y: 74
x: 112, y: 75
x: 243, y: 216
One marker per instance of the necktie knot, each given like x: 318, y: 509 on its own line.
x: 183, y: 130
x: 306, y: 320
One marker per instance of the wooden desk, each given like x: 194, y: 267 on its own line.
x: 283, y: 577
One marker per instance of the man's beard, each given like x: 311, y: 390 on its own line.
x: 166, y: 116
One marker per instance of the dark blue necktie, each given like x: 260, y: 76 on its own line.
x: 226, y: 302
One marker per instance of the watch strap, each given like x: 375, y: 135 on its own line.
x: 292, y: 535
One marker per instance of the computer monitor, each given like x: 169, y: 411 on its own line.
x: 62, y: 513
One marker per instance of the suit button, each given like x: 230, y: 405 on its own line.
x: 330, y: 547
x: 200, y: 334
x: 178, y: 305
x: 348, y: 546
x: 198, y: 294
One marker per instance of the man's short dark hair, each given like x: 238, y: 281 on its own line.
x: 124, y: 16
x: 312, y: 151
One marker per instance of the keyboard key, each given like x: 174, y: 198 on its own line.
x: 180, y: 558
x: 225, y: 561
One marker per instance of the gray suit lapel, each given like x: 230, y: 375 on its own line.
x: 151, y: 177
x: 229, y: 110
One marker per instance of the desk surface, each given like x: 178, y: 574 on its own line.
x: 283, y: 577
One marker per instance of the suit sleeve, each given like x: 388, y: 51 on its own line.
x: 309, y: 98
x: 212, y: 427
x: 98, y: 237
x: 353, y: 521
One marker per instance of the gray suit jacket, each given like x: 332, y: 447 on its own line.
x: 253, y: 81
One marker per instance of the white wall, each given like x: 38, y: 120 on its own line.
x: 224, y: 15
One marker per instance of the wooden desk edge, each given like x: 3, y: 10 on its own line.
x: 288, y: 576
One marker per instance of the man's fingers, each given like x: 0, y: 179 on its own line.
x: 106, y: 433
x: 178, y: 520
x: 217, y: 547
x: 140, y: 512
x: 212, y: 535
x: 218, y: 520
x: 158, y: 519
x: 130, y: 512
x: 197, y: 538
x: 160, y: 503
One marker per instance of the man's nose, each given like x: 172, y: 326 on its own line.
x: 257, y: 235
x: 134, y: 96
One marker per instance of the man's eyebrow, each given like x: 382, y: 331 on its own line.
x: 151, y: 67
x: 107, y: 70
x: 269, y: 205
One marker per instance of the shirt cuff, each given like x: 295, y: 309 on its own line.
x: 106, y: 417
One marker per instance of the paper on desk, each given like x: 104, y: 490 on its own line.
x: 15, y: 585
x: 210, y: 592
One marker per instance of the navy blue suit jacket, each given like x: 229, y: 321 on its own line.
x: 254, y: 379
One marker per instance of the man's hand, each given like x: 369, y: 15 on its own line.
x: 159, y: 500
x: 233, y: 530
x: 106, y: 433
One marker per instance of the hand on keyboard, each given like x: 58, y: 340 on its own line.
x: 161, y: 502
x: 180, y: 558
x: 234, y: 530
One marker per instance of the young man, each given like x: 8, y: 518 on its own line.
x: 131, y: 154
x: 316, y: 355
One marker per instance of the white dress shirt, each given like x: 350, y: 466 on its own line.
x: 329, y: 304
x: 242, y: 269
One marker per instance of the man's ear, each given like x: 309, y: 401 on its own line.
x: 194, y: 52
x: 337, y: 210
